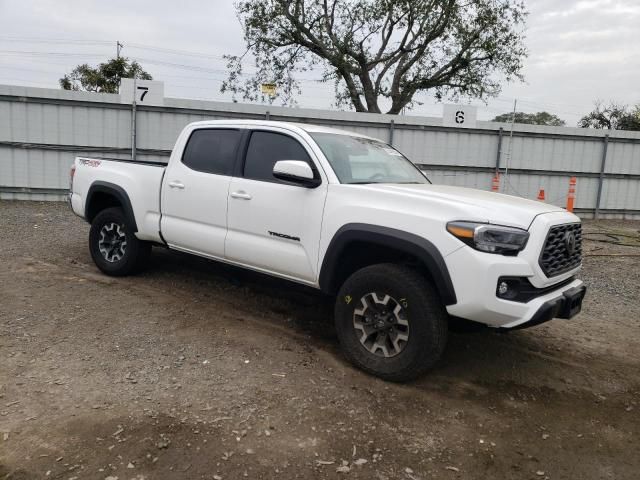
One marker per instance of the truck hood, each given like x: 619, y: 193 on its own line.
x: 479, y: 205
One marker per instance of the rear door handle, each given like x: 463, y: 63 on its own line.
x: 241, y: 194
x: 176, y: 184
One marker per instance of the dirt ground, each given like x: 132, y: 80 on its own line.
x: 196, y: 370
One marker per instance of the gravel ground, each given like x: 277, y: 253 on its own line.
x: 197, y: 370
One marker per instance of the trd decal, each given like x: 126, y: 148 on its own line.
x: 282, y: 235
x: 89, y: 162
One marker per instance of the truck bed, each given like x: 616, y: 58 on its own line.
x: 141, y: 181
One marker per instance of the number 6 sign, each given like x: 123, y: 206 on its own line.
x: 147, y: 92
x: 459, y: 116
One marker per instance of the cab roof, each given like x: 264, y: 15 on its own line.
x: 295, y: 126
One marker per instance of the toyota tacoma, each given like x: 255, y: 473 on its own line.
x: 349, y: 215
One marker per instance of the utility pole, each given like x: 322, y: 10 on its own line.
x: 118, y: 48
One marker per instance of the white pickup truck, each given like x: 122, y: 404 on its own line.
x: 346, y: 214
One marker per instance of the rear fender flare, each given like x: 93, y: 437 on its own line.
x: 119, y: 194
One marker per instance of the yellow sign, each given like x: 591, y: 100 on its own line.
x: 269, y: 89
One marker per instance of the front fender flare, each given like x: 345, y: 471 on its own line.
x: 414, y: 245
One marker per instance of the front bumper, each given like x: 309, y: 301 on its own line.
x: 566, y: 306
x: 475, y: 276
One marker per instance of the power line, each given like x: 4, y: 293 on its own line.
x: 567, y: 109
x: 175, y: 51
x: 132, y: 45
x: 313, y: 85
x: 142, y: 59
x: 9, y: 38
x: 41, y: 54
x: 172, y: 51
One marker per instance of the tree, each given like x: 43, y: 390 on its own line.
x: 381, y: 49
x: 540, y: 118
x: 631, y: 121
x: 103, y: 78
x: 612, y: 116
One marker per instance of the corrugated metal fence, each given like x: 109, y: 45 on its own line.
x: 41, y: 130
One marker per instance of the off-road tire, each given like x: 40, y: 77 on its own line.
x: 422, y: 309
x: 131, y: 258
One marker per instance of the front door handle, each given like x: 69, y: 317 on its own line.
x: 176, y: 184
x: 241, y: 194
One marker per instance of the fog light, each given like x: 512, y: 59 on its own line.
x: 503, y: 288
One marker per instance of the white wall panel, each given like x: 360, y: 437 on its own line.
x: 58, y: 125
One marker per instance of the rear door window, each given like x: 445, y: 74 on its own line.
x: 212, y: 150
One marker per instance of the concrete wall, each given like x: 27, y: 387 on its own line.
x: 41, y: 130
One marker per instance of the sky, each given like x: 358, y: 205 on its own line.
x: 579, y: 50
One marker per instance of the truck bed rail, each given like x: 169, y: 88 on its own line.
x: 128, y: 160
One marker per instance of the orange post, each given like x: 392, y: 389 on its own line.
x: 571, y: 197
x: 541, y: 195
x: 495, y: 182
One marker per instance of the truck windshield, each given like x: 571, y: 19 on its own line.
x: 358, y: 160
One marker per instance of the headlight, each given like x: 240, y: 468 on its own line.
x: 490, y: 238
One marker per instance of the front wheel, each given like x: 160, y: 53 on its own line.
x: 113, y: 246
x: 391, y: 322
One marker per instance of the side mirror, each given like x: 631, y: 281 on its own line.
x: 297, y: 172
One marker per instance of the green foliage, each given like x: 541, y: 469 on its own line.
x: 381, y: 49
x: 631, y: 121
x: 103, y: 78
x: 612, y: 116
x: 540, y: 118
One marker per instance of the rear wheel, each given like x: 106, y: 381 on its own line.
x: 391, y: 322
x: 114, y: 247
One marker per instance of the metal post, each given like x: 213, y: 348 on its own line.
x: 267, y: 115
x: 506, y: 167
x: 133, y: 122
x: 500, y: 132
x: 605, y: 148
x: 391, y: 129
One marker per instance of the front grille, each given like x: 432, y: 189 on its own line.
x: 557, y: 256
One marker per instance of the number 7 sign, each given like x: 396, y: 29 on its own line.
x: 144, y: 91
x: 147, y: 92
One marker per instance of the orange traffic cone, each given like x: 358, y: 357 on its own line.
x: 571, y: 197
x: 495, y: 183
x: 541, y: 195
